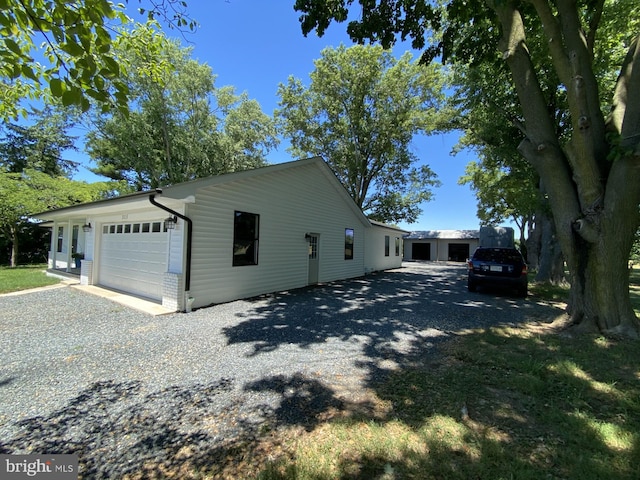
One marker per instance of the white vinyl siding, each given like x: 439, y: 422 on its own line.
x: 377, y: 248
x: 290, y: 203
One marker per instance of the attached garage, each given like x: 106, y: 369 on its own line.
x: 226, y: 237
x: 133, y: 257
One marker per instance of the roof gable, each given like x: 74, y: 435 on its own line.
x: 184, y: 191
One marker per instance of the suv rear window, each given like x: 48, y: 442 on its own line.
x: 499, y: 255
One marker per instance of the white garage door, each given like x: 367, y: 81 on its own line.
x: 133, y: 257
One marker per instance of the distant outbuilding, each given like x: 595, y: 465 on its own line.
x: 441, y: 245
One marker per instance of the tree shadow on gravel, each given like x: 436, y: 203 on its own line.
x: 120, y: 430
x: 393, y: 315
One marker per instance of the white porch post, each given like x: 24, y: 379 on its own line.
x: 51, y: 264
x: 69, y: 243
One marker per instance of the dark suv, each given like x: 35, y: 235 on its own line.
x: 498, y: 266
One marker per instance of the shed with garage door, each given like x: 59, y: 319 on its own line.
x: 441, y: 245
x: 222, y: 238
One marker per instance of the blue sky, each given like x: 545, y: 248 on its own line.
x: 254, y: 45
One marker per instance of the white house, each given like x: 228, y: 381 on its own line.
x: 441, y: 245
x: 223, y: 238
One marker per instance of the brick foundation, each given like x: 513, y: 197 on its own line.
x: 173, y: 291
x: 86, y: 272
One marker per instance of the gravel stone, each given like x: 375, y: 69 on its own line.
x: 129, y: 392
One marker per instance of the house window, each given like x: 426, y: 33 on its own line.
x: 60, y: 239
x: 156, y: 227
x: 386, y: 245
x: 127, y: 228
x: 118, y: 228
x: 313, y: 247
x: 145, y: 228
x: 136, y: 228
x: 348, y: 243
x: 105, y: 229
x: 397, y: 246
x: 112, y: 229
x: 245, y: 238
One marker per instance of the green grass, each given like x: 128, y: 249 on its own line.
x: 23, y: 278
x: 540, y: 405
x: 547, y: 291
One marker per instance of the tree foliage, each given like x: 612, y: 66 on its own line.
x: 361, y: 111
x: 39, y: 145
x: 62, y: 49
x: 586, y: 164
x: 35, y: 176
x: 25, y: 193
x: 179, y: 125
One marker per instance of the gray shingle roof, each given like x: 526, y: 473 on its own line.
x: 443, y: 234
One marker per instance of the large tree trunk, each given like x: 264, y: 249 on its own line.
x: 551, y: 260
x: 599, y: 299
x: 534, y: 236
x: 594, y: 198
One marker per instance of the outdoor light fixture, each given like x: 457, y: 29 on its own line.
x: 170, y: 222
x: 86, y: 227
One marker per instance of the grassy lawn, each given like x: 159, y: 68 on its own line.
x: 521, y: 403
x: 24, y: 277
x: 504, y: 403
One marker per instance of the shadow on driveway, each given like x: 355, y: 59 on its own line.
x: 376, y: 324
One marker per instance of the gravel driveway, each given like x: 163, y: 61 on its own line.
x: 127, y: 391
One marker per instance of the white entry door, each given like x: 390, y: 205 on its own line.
x: 314, y: 258
x: 133, y: 257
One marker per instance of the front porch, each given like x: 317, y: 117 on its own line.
x: 70, y: 274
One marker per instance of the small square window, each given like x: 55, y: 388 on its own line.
x: 112, y: 229
x: 136, y: 228
x: 127, y: 228
x: 119, y: 228
x: 145, y: 227
x: 156, y: 227
x: 105, y: 229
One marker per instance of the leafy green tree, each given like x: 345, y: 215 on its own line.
x: 503, y: 193
x: 586, y: 167
x: 39, y: 145
x: 506, y: 185
x: 179, y: 125
x: 77, y: 46
x: 31, y: 191
x: 35, y: 176
x: 76, y: 63
x: 361, y: 111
